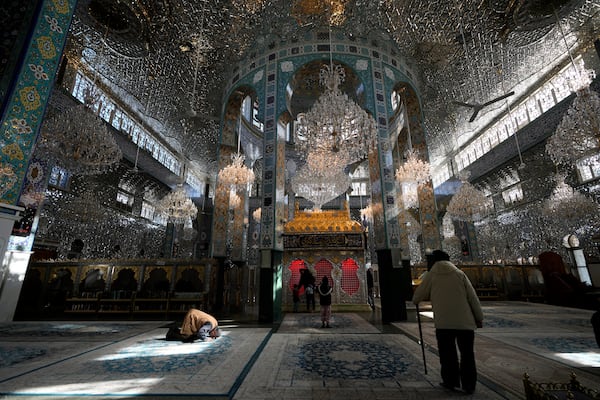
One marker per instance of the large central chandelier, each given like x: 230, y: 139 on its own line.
x: 335, y: 123
x: 322, y: 179
x: 177, y: 206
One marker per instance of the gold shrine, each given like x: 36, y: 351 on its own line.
x: 322, y: 222
x: 323, y: 230
x: 326, y: 243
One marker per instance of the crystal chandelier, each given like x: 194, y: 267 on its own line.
x: 237, y: 175
x: 566, y: 204
x: 318, y: 182
x: 413, y: 169
x: 468, y: 203
x: 79, y: 140
x: 578, y: 132
x: 335, y: 123
x: 177, y: 206
x: 413, y: 172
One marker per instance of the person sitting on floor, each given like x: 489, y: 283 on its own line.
x: 196, y: 325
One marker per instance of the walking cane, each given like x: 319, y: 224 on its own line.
x: 421, y: 338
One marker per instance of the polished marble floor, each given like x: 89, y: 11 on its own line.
x: 357, y: 358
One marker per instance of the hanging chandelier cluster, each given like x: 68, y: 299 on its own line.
x: 177, y: 206
x: 321, y: 180
x: 236, y: 175
x: 79, y: 140
x: 336, y: 124
x: 578, y: 132
x: 413, y: 170
x: 334, y: 133
x: 567, y: 204
x: 468, y: 204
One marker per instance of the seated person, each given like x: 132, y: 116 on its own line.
x: 196, y: 325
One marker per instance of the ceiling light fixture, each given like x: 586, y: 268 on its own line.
x: 79, y: 140
x: 237, y: 175
x: 414, y: 169
x: 567, y: 204
x: 319, y: 183
x: 177, y: 206
x: 577, y: 134
x: 336, y: 124
x: 468, y: 204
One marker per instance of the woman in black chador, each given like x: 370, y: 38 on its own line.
x: 324, y: 291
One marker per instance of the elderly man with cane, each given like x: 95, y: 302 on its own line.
x: 456, y: 314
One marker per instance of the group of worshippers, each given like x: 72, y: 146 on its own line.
x: 457, y: 313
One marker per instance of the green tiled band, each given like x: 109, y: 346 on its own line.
x: 27, y: 102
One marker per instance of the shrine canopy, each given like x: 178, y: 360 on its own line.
x: 323, y: 229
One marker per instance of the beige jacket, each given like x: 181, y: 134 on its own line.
x: 193, y: 321
x: 453, y: 298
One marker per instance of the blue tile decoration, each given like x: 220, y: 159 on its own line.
x: 26, y: 105
x: 353, y: 359
x: 161, y: 356
x: 15, y: 355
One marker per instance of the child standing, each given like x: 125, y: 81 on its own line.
x: 296, y: 297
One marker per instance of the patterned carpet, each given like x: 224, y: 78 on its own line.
x: 547, y: 342
x: 297, y: 359
x: 142, y: 364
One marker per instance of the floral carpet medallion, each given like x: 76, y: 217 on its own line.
x: 345, y: 358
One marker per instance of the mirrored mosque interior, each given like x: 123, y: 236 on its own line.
x: 162, y: 155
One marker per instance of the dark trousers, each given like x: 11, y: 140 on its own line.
x: 310, y: 302
x: 457, y: 373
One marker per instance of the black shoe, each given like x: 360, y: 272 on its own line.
x: 447, y: 386
x: 469, y: 390
x: 327, y: 326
